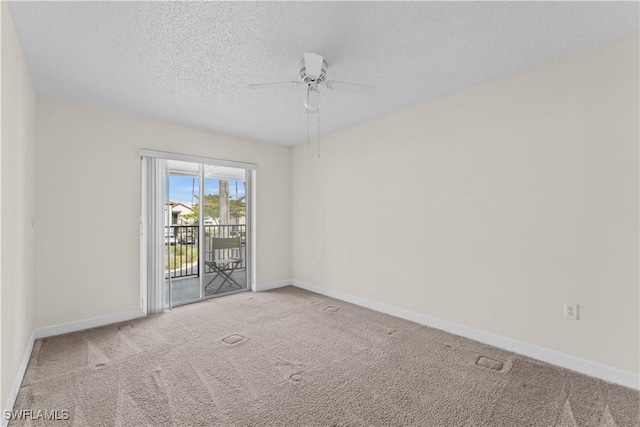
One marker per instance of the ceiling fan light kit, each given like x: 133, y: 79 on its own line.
x: 311, y: 99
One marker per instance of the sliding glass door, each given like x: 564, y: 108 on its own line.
x: 205, y: 232
x: 225, y: 230
x: 196, y: 230
x: 182, y: 254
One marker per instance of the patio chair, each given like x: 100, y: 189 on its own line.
x: 226, y: 264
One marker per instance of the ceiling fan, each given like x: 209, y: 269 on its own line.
x: 312, y: 73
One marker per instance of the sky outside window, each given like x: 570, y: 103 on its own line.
x: 181, y: 188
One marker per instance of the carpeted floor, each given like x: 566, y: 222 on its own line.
x: 289, y: 357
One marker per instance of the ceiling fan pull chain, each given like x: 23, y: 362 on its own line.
x: 308, y: 120
x: 318, y: 132
x: 308, y: 127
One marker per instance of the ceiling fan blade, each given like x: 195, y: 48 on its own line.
x: 291, y: 83
x: 313, y: 64
x: 350, y: 87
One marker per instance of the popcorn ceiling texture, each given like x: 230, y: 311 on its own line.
x: 190, y: 62
x: 278, y: 358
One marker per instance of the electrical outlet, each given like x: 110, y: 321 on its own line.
x: 571, y: 310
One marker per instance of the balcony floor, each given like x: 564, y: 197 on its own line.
x: 187, y: 289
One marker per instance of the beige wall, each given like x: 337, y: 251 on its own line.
x: 490, y: 207
x: 17, y: 202
x: 88, y: 263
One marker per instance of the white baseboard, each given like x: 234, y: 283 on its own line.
x: 272, y: 285
x: 613, y: 375
x: 17, y: 383
x: 79, y: 325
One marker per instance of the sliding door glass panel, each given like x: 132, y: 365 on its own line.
x: 182, y: 270
x: 225, y: 231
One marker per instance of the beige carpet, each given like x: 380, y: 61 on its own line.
x: 288, y: 357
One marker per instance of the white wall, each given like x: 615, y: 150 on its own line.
x: 491, y: 207
x: 88, y: 264
x: 17, y: 202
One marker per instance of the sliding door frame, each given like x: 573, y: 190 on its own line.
x: 250, y: 176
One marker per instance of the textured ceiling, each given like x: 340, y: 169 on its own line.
x: 190, y: 62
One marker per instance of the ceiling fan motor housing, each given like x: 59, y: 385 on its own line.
x: 307, y: 79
